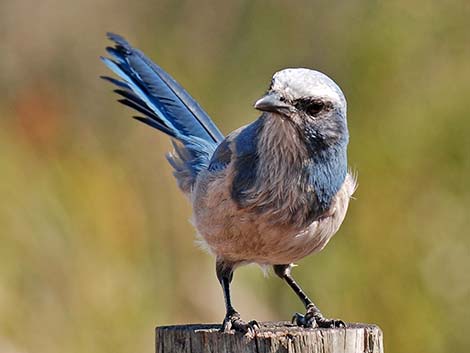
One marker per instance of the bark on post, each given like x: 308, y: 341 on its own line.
x: 271, y: 337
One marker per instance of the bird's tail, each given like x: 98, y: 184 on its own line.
x: 165, y: 106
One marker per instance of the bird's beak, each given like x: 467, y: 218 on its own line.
x: 271, y: 102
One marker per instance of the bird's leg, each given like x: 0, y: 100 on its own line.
x: 232, y: 318
x: 313, y: 317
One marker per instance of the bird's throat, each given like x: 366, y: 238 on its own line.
x: 293, y: 182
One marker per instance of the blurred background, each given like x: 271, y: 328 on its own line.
x: 95, y: 244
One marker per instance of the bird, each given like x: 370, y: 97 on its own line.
x: 269, y: 193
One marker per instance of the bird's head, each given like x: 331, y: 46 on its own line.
x: 311, y: 101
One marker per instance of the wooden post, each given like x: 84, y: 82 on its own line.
x: 270, y: 338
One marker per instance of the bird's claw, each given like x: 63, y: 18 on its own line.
x: 330, y: 323
x: 233, y: 322
x: 315, y: 319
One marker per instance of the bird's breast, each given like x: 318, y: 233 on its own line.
x: 275, y: 173
x: 245, y: 235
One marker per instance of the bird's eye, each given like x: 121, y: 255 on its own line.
x: 310, y: 106
x: 315, y: 107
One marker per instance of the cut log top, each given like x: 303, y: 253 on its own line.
x: 271, y: 337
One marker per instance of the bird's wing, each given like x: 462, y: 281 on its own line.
x: 229, y: 149
x: 222, y: 156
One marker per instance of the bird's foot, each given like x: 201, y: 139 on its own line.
x: 233, y: 321
x: 314, y: 318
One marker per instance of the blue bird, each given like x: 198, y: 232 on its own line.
x: 270, y: 192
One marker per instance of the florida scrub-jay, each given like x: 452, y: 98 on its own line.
x: 271, y: 192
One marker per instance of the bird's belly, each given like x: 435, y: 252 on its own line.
x: 244, y: 235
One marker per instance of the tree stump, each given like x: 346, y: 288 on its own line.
x: 271, y: 337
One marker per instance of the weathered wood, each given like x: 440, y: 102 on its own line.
x: 271, y: 337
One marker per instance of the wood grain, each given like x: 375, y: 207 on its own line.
x: 271, y: 337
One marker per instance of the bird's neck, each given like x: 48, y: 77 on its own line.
x: 280, y: 148
x: 297, y: 182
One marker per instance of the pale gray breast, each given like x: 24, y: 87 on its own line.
x: 240, y: 235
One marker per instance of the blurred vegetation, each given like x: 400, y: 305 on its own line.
x: 96, y: 248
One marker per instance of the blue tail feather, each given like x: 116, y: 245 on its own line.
x: 124, y: 47
x: 139, y: 108
x: 155, y: 125
x: 166, y: 106
x: 162, y: 91
x: 115, y: 82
